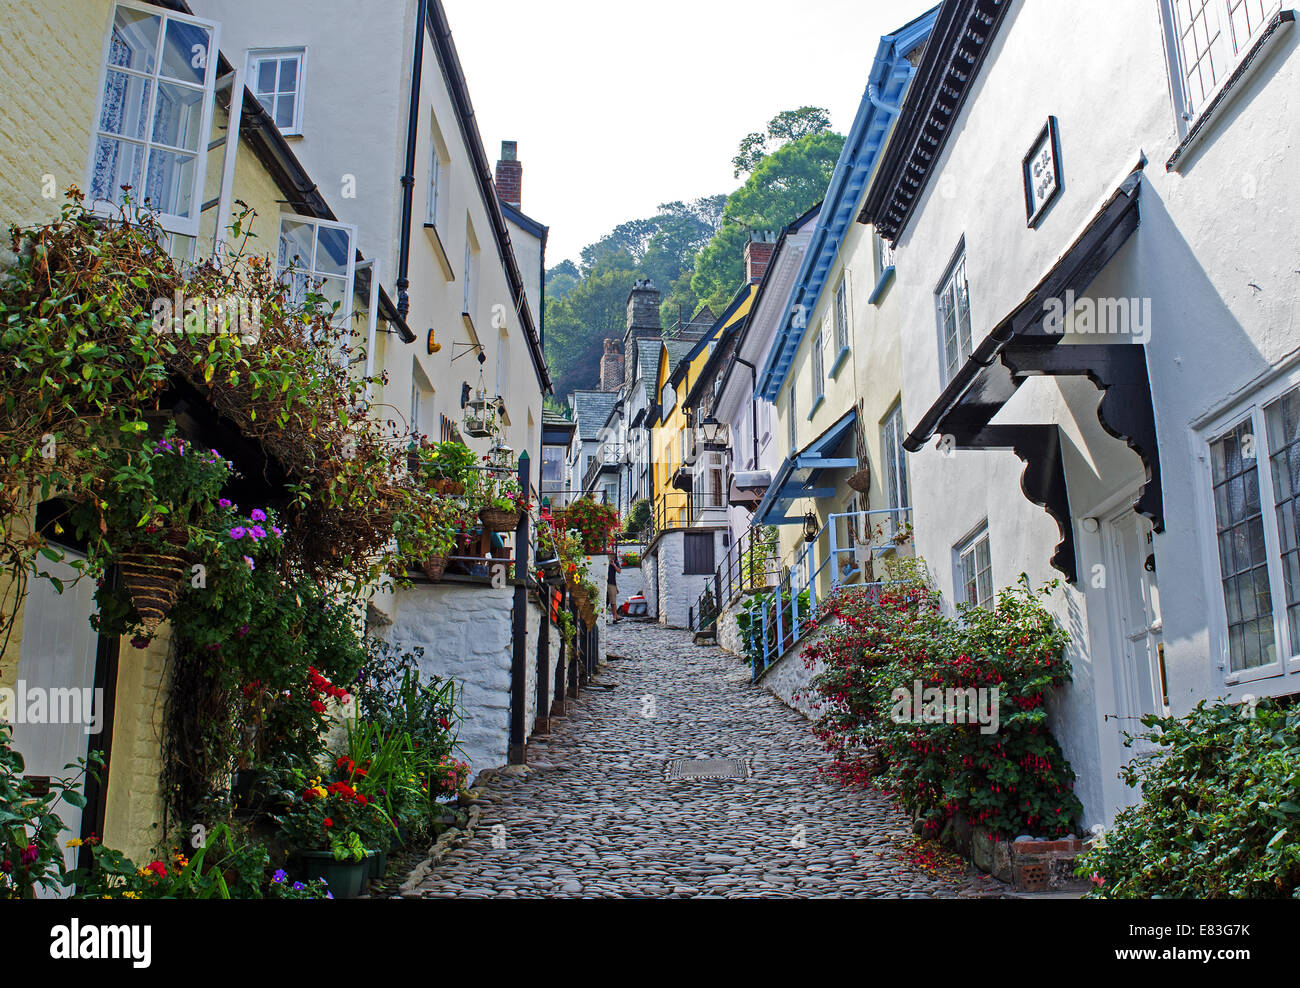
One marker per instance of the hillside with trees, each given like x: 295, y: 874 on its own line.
x: 691, y: 250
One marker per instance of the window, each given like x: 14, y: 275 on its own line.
x: 1243, y: 560
x: 818, y: 370
x: 155, y: 113
x: 275, y: 77
x: 437, y: 179
x: 1210, y: 38
x: 697, y: 553
x: 954, y: 316
x: 884, y: 255
x: 842, y: 316
x: 321, y: 255
x: 975, y: 570
x: 470, y: 270
x: 895, y: 464
x: 421, y: 400
x: 552, y: 468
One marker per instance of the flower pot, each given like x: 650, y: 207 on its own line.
x: 448, y: 487
x: 344, y: 878
x: 153, y: 577
x: 378, y: 865
x: 434, y: 567
x: 498, y: 519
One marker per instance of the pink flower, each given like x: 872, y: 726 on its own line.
x: 30, y: 854
x: 237, y: 533
x: 258, y: 515
x: 223, y: 503
x: 249, y: 560
x: 257, y: 532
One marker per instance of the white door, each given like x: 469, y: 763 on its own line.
x: 1139, y: 673
x: 57, y: 654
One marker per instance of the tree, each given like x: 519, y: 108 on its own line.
x: 785, y: 127
x: 562, y: 279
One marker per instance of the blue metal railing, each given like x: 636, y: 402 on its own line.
x: 780, y: 619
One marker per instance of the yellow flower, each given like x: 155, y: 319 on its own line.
x: 75, y: 842
x: 129, y: 895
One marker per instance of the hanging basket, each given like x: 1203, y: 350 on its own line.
x: 434, y: 567
x: 152, y: 578
x: 498, y: 520
x: 861, y: 481
x: 448, y: 488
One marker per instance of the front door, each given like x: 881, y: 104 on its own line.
x: 56, y: 678
x: 1139, y: 674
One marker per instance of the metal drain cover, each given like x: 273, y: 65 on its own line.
x: 707, y: 768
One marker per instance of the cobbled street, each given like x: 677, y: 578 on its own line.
x: 596, y: 815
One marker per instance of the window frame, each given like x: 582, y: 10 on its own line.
x: 172, y: 223
x: 346, y: 308
x: 1187, y: 110
x: 946, y: 284
x: 840, y: 302
x: 299, y: 52
x: 969, y: 546
x: 817, y: 369
x: 1252, y: 409
x: 897, y: 485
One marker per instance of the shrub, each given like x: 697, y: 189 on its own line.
x: 1220, y: 810
x: 891, y: 642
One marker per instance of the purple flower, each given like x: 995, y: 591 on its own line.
x: 243, y: 630
x: 276, y: 530
x: 237, y: 533
x: 30, y: 854
x: 279, y: 876
x: 257, y: 532
x: 298, y: 886
x: 223, y: 503
x: 329, y: 895
x: 249, y: 560
x: 258, y: 515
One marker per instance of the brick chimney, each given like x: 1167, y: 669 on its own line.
x: 510, y: 175
x: 758, y: 251
x: 611, y: 367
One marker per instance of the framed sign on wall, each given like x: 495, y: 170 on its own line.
x: 1042, y: 172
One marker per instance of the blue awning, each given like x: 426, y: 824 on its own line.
x: 801, y: 475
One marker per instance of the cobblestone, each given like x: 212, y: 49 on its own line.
x: 596, y: 817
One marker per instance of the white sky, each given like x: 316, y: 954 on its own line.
x: 620, y: 106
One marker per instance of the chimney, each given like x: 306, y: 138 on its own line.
x: 642, y: 312
x: 758, y: 251
x: 611, y: 367
x: 510, y: 175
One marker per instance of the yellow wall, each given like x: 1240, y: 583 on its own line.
x: 666, y: 437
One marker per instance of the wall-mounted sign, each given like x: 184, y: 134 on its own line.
x: 1042, y: 172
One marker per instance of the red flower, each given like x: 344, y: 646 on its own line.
x: 157, y: 867
x: 318, y: 706
x: 329, y: 822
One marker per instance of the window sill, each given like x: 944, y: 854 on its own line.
x: 438, y: 252
x: 821, y: 400
x: 840, y: 358
x: 1280, y: 24
x: 882, y: 283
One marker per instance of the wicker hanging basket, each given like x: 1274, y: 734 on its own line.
x: 152, y: 578
x: 434, y: 567
x: 861, y: 481
x: 498, y: 520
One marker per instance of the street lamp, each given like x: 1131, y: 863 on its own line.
x: 810, y: 527
x: 712, y: 432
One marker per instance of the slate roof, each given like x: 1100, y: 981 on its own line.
x: 591, y: 410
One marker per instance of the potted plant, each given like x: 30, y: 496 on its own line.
x: 142, y: 515
x: 446, y: 465
x: 324, y: 824
x: 595, y: 523
x: 500, y: 500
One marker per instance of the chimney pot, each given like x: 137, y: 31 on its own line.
x: 758, y: 252
x: 510, y: 175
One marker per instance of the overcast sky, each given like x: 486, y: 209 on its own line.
x: 619, y: 106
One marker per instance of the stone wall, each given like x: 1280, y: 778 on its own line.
x: 788, y: 680
x: 677, y: 592
x: 465, y: 630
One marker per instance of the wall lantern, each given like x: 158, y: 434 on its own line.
x: 712, y: 432
x: 810, y: 527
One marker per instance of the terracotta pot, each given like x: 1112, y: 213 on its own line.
x: 434, y: 567
x: 498, y: 520
x: 153, y: 578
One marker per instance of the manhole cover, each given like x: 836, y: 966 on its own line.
x: 707, y: 768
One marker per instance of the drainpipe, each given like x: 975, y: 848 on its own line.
x: 753, y: 404
x: 408, y: 178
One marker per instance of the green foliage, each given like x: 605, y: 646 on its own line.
x: 1012, y: 780
x: 1220, y: 810
x: 638, y: 518
x: 786, y: 126
x: 31, y: 855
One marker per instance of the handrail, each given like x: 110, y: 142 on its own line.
x: 784, y: 616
